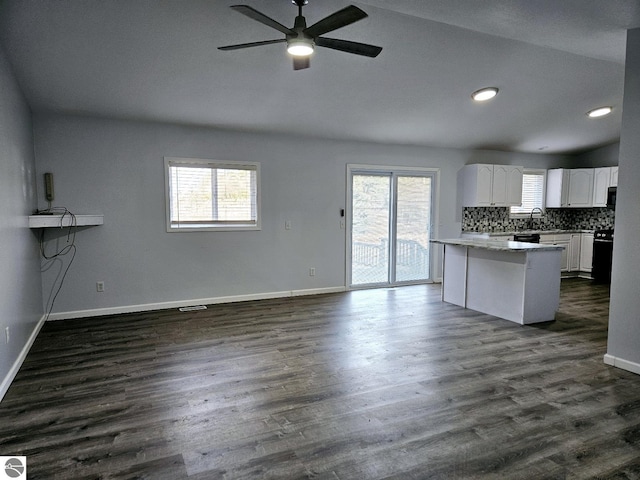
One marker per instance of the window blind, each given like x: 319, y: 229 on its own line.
x: 532, y: 192
x: 212, y: 194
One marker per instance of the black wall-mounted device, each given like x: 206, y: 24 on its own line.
x: 48, y: 186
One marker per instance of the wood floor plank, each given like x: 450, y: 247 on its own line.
x: 378, y: 384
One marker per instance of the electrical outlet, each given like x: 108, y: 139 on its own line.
x: 6, y: 331
x: 99, y: 286
x: 312, y: 272
x: 342, y: 224
x: 287, y: 225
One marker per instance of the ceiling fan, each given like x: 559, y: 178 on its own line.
x: 301, y: 39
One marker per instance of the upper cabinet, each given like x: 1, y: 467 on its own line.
x: 603, y: 178
x: 570, y: 187
x: 614, y: 177
x: 484, y: 185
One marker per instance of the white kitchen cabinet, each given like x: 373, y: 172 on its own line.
x: 563, y: 240
x: 603, y: 178
x: 484, y: 185
x: 570, y: 187
x: 574, y: 252
x: 580, y: 187
x: 577, y: 253
x: 557, y: 187
x: 586, y: 252
x: 601, y: 184
x: 507, y: 185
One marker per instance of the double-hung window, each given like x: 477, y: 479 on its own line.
x: 533, y: 192
x: 211, y: 195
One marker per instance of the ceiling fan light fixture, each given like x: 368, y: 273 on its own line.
x: 484, y: 94
x: 300, y: 48
x: 599, y: 112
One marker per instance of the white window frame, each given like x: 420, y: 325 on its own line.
x: 212, y: 164
x: 527, y: 214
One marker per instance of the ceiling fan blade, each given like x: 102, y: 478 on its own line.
x: 341, y: 18
x: 251, y: 44
x: 349, y: 47
x: 262, y: 18
x: 301, y: 63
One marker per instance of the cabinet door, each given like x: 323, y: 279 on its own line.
x: 507, y: 186
x: 563, y: 240
x: 586, y: 252
x: 564, y: 194
x: 554, y: 188
x: 574, y: 252
x: 580, y: 187
x: 565, y: 258
x: 499, y: 187
x: 601, y: 183
x: 614, y: 177
x: 514, y: 186
x: 484, y: 185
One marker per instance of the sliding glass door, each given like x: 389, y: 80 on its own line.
x: 391, y: 223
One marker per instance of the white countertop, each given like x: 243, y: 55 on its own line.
x: 498, y: 245
x: 526, y: 232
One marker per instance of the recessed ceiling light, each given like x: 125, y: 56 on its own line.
x: 484, y: 94
x: 600, y: 112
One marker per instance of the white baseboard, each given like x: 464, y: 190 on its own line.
x: 632, y: 367
x: 98, y: 312
x: 13, y: 371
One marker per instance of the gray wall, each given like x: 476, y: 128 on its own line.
x: 606, y: 156
x: 20, y: 287
x: 624, y: 315
x: 116, y: 168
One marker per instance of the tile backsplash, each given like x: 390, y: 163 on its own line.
x: 496, y: 219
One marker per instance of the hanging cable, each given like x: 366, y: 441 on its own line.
x: 69, y: 248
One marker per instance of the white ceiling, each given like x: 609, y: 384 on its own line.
x: 553, y: 60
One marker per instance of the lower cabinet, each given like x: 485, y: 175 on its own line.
x: 577, y: 253
x: 576, y: 250
x: 551, y: 239
x: 586, y: 252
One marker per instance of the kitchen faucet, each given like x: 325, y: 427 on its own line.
x: 534, y: 210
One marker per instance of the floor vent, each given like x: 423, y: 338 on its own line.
x: 191, y: 309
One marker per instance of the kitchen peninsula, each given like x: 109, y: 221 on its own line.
x: 516, y: 281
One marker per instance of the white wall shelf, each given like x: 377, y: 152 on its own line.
x: 50, y: 221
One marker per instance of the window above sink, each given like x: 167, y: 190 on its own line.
x: 533, y: 194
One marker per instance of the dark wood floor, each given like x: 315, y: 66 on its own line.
x: 363, y: 385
